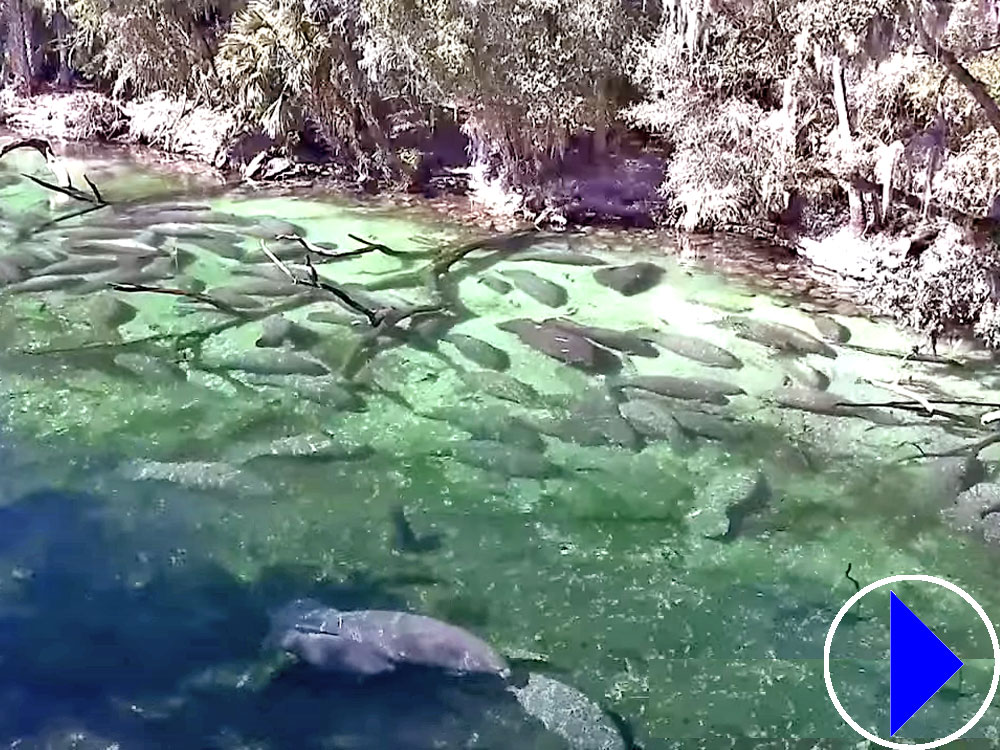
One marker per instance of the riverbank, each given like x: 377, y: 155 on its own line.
x: 936, y: 274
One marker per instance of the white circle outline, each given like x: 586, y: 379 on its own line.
x: 925, y: 579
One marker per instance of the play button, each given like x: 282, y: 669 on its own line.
x: 919, y: 664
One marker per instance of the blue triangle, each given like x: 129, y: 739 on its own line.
x: 919, y: 664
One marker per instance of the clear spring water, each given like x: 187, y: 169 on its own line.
x: 149, y: 520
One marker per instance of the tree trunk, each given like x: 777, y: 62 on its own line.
x: 976, y: 88
x: 16, y: 20
x: 599, y: 145
x: 61, y: 28
x: 854, y: 202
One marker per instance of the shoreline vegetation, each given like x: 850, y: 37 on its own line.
x: 865, y: 139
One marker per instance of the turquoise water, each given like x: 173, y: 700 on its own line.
x: 165, y: 480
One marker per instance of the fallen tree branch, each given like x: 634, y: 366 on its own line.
x: 374, y: 316
x: 370, y: 246
x: 910, y: 404
x: 911, y: 356
x: 322, y: 252
x: 67, y: 217
x: 904, y: 392
x: 973, y: 449
x: 217, y: 304
x: 71, y: 191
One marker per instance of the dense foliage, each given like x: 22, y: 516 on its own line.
x: 759, y: 107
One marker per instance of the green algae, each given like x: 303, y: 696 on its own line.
x: 605, y: 566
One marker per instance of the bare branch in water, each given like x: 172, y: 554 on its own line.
x: 904, y: 392
x: 972, y: 449
x: 913, y: 356
x: 910, y: 404
x: 373, y: 316
x: 277, y: 261
x: 94, y: 190
x: 370, y: 246
x: 72, y: 192
x: 323, y: 252
x: 67, y: 217
x: 217, y: 304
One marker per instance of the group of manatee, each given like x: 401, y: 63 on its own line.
x: 509, y: 423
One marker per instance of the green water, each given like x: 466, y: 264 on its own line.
x: 142, y: 549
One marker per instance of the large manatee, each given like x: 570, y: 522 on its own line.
x: 372, y: 642
x: 368, y: 642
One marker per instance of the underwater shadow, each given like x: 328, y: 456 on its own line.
x: 176, y: 660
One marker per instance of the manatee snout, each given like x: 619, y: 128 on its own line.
x: 286, y: 619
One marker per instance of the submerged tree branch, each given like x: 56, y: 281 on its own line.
x: 217, y: 304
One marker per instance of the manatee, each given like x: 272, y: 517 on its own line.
x: 46, y: 284
x: 180, y: 230
x: 589, y: 418
x: 112, y: 247
x: 691, y: 347
x: 371, y: 642
x: 84, y: 233
x: 831, y: 330
x: 778, y: 336
x: 494, y: 282
x: 277, y: 330
x: 503, y: 386
x: 570, y: 714
x: 107, y: 311
x: 808, y: 399
x: 700, y: 389
x: 141, y: 273
x: 168, y: 216
x: 202, y: 475
x: 274, y: 332
x: 566, y: 346
x: 10, y: 272
x: 509, y: 460
x: 239, y: 301
x: 79, y: 266
x: 268, y: 362
x: 404, y: 539
x: 943, y: 479
x: 335, y: 317
x: 630, y: 280
x: 225, y: 247
x: 977, y: 509
x: 608, y: 337
x: 291, y: 251
x: 161, y: 207
x: 541, y: 290
x: 36, y: 257
x: 269, y: 228
x: 831, y: 404
x: 316, y: 446
x: 651, y: 418
x: 589, y: 429
x: 804, y: 374
x: 483, y: 354
x: 267, y: 288
x: 699, y: 424
x: 490, y: 423
x: 326, y: 391
x: 737, y: 514
x: 149, y: 368
x: 564, y: 257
